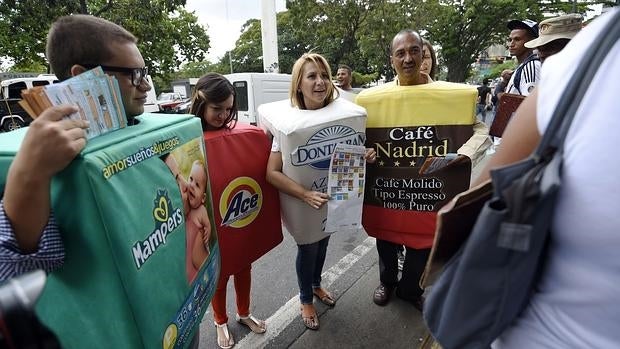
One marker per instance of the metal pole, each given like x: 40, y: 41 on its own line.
x: 229, y: 51
x: 230, y: 60
x: 269, y: 36
x: 574, y: 6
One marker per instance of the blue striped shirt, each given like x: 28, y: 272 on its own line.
x: 50, y: 254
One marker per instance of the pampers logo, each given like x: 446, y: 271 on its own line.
x: 240, y: 202
x: 167, y: 219
x: 318, y: 151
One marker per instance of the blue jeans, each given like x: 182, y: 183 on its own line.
x: 309, y: 265
x: 481, y: 110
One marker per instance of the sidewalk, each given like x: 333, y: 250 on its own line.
x: 355, y: 321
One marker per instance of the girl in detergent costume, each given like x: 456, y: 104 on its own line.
x: 313, y: 101
x: 214, y: 103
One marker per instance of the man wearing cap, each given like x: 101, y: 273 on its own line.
x: 555, y: 33
x: 527, y: 74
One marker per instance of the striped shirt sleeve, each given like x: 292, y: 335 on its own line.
x: 529, y: 77
x: 49, y: 255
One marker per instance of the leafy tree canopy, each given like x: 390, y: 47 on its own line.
x: 167, y: 33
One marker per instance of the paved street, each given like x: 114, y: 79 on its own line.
x: 351, y: 273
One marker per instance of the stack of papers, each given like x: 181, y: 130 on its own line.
x: 96, y: 95
x: 345, y: 187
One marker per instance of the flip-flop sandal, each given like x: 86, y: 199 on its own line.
x: 224, y: 341
x: 326, y: 299
x: 310, y: 321
x: 256, y: 325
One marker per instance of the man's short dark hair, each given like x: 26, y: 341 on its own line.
x: 344, y: 66
x: 485, y: 81
x: 82, y: 39
x: 403, y: 32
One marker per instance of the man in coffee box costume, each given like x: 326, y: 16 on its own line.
x: 427, y: 139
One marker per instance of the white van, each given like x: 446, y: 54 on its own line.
x: 12, y: 115
x: 254, y: 89
x: 150, y: 106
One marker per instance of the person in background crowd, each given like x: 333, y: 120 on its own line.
x: 214, y: 103
x: 344, y: 77
x: 527, y: 73
x: 501, y: 86
x: 555, y: 33
x: 29, y: 236
x: 483, y: 104
x: 429, y: 60
x: 575, y: 302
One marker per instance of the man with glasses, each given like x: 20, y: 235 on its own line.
x: 79, y: 42
x: 29, y: 236
x: 75, y: 44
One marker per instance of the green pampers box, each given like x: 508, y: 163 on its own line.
x: 125, y: 283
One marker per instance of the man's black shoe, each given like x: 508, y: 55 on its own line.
x: 382, y: 294
x: 418, y: 302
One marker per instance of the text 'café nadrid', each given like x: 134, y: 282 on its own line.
x: 423, y: 143
x: 396, y: 182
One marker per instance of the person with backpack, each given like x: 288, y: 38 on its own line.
x: 527, y: 73
x: 575, y: 301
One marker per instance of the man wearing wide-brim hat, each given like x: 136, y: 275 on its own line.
x: 554, y: 34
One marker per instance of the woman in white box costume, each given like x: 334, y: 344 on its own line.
x: 314, y: 104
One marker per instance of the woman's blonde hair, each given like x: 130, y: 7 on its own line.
x: 297, y: 98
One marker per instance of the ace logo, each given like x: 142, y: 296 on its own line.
x: 240, y: 202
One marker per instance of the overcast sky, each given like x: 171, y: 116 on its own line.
x: 224, y: 27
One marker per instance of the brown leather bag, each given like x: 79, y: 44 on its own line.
x: 506, y: 107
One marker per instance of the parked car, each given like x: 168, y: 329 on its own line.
x: 168, y: 100
x: 254, y: 89
x: 183, y: 108
x: 12, y: 115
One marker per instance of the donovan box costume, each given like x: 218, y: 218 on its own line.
x: 307, y: 139
x: 406, y: 125
x: 120, y: 213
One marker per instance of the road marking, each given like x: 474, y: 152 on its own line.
x: 289, y: 312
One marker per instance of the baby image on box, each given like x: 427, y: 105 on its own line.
x: 187, y: 164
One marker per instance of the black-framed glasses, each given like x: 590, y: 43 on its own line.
x: 137, y: 74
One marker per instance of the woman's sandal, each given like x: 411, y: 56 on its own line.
x: 256, y: 325
x: 224, y: 337
x: 324, y: 296
x: 310, y: 321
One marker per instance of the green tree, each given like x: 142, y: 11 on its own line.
x: 356, y: 32
x: 167, y: 33
x: 247, y: 56
x: 194, y: 69
x: 465, y: 28
x: 334, y: 26
x: 387, y: 18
